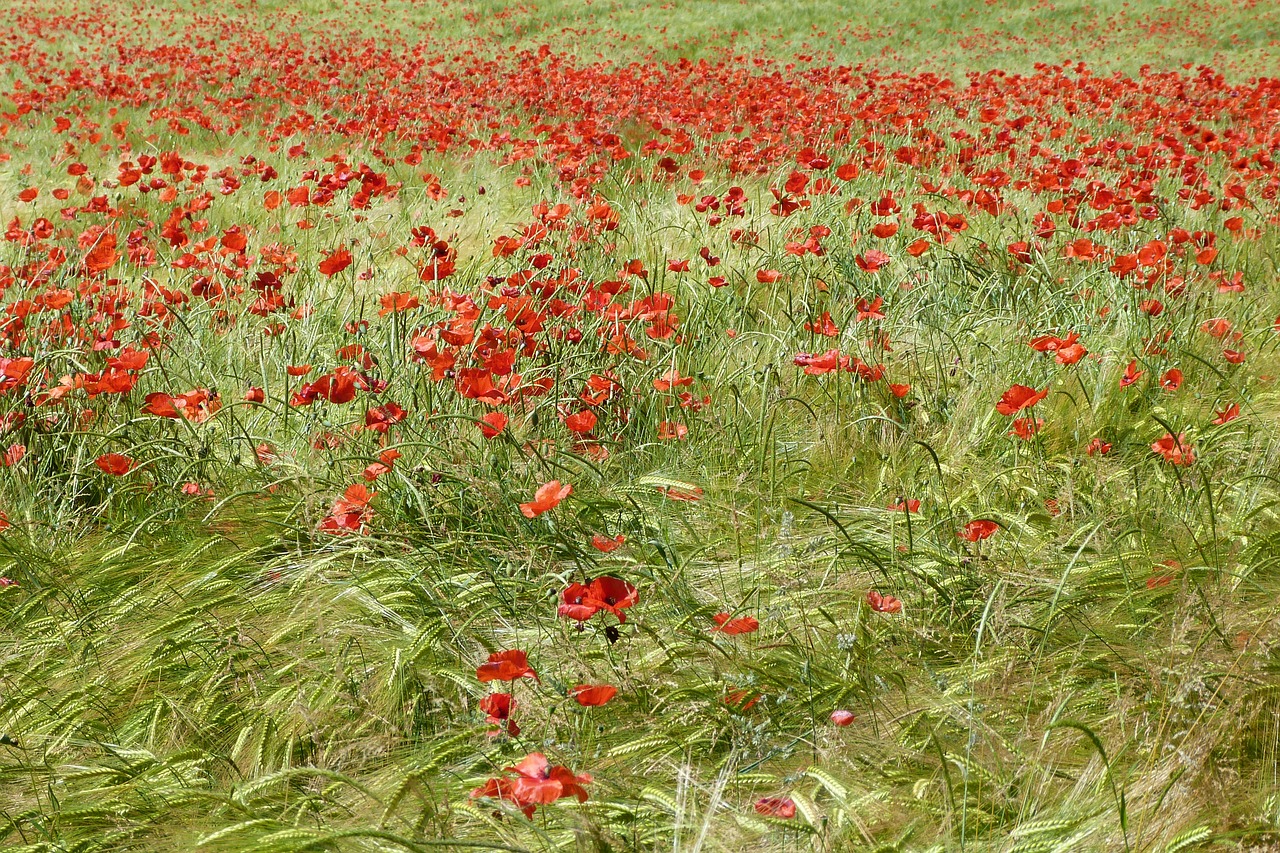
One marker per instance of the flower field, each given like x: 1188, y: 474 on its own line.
x: 620, y: 426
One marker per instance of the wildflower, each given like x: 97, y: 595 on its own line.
x: 823, y: 326
x: 977, y: 530
x: 1019, y: 397
x: 497, y: 708
x: 668, y: 431
x: 589, y: 696
x: 1174, y: 450
x: 506, y: 666
x: 1026, y: 428
x: 350, y: 513
x: 1171, y: 380
x: 581, y: 422
x: 779, y: 807
x: 605, y: 545
x: 492, y: 424
x: 1227, y: 415
x: 581, y: 602
x: 547, y: 498
x: 537, y: 782
x: 1131, y: 374
x: 731, y: 627
x: 870, y: 310
x: 335, y: 262
x: 883, y: 603
x: 115, y: 464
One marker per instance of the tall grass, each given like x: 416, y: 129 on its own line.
x: 212, y: 671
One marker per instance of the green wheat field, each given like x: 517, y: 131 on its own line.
x: 611, y: 426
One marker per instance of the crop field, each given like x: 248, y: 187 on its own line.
x: 607, y: 426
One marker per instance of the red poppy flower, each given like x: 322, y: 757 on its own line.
x: 536, y: 783
x: 1098, y: 447
x: 1019, y: 397
x: 883, y: 603
x: 604, y: 544
x: 380, y: 419
x: 386, y: 460
x: 741, y: 700
x: 843, y: 718
x: 1070, y: 353
x: 671, y: 379
x: 394, y: 303
x: 978, y: 530
x: 547, y: 498
x: 1049, y: 343
x: 899, y: 390
x: 581, y: 422
x: 1216, y: 327
x: 1174, y: 450
x: 580, y: 602
x: 350, y: 513
x: 783, y: 808
x: 115, y: 464
x: 589, y: 696
x: 668, y: 431
x: 1026, y: 428
x: 506, y: 666
x: 731, y: 627
x: 492, y: 424
x: 872, y: 260
x: 817, y: 365
x: 1171, y: 380
x: 1131, y: 374
x: 336, y: 261
x: 908, y: 505
x: 160, y: 405
x: 823, y: 326
x: 497, y: 708
x: 870, y: 310
x: 1227, y: 415
x: 13, y: 455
